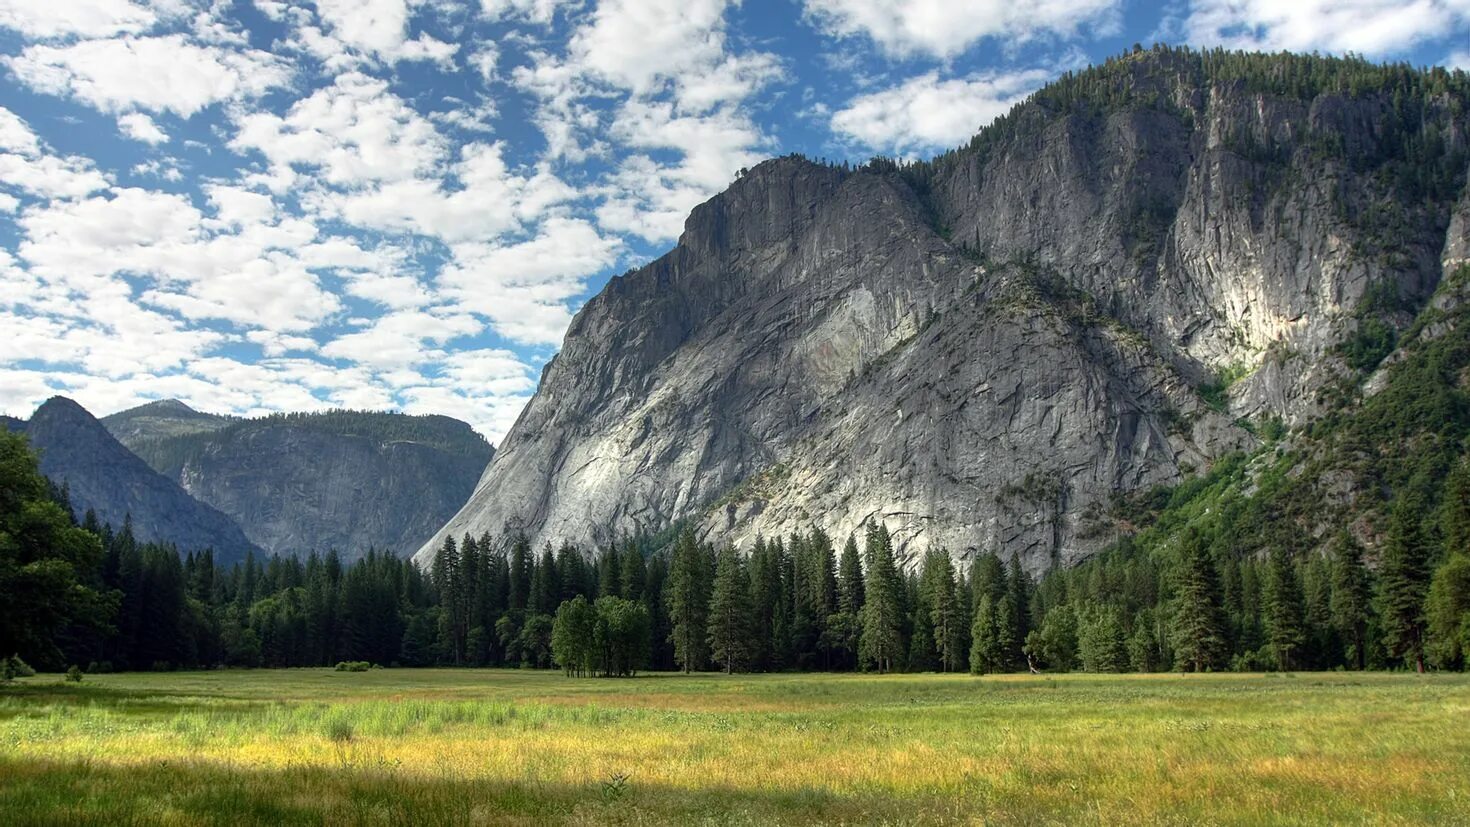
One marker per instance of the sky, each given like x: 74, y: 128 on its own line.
x: 263, y: 205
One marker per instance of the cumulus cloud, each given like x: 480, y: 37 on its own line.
x: 944, y: 28
x: 140, y: 127
x: 926, y: 112
x: 159, y: 74
x: 84, y: 18
x: 1370, y: 27
x: 379, y: 28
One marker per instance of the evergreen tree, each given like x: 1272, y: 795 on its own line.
x: 520, y: 573
x: 1404, y: 579
x: 634, y: 572
x: 1283, y: 610
x: 1198, y: 625
x: 945, y: 616
x: 1448, y: 613
x: 882, y: 613
x: 850, y: 580
x: 729, y: 622
x: 987, y: 644
x: 1352, y: 597
x: 1018, y: 612
x: 544, y: 586
x: 688, y: 598
x: 610, y: 573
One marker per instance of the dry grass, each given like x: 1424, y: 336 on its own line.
x: 469, y: 747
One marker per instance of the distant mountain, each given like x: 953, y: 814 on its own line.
x: 104, y: 476
x: 344, y: 480
x: 162, y: 419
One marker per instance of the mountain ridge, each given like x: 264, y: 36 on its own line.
x: 1159, y: 253
x: 342, y: 480
x: 101, y: 475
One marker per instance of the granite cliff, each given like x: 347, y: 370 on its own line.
x: 348, y: 481
x: 1117, y: 283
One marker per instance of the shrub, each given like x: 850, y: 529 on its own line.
x: 354, y: 666
x: 13, y: 667
x: 74, y: 674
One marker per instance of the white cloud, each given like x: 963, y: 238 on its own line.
x: 380, y: 28
x: 402, y: 339
x: 533, y: 11
x: 84, y: 18
x: 27, y: 166
x: 16, y: 135
x: 651, y: 199
x: 140, y: 127
x: 1458, y: 60
x: 1370, y: 27
x: 354, y: 131
x: 944, y: 28
x: 159, y: 74
x: 926, y: 112
x: 491, y: 200
x: 523, y: 288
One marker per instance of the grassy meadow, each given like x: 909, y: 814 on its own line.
x: 522, y: 747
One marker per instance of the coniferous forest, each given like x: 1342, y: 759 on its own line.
x: 79, y: 593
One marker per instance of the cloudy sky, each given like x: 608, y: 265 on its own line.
x: 399, y: 204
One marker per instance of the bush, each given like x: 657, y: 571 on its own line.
x: 74, y: 674
x: 13, y: 667
x: 354, y: 666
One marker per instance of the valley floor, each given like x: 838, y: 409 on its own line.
x: 491, y: 746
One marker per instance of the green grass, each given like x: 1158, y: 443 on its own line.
x: 481, y: 746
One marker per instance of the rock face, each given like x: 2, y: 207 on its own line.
x: 344, y: 480
x: 1102, y: 292
x: 104, y: 476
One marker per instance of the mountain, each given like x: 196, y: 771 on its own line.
x: 1136, y: 272
x: 344, y: 480
x: 103, y: 476
x: 161, y: 419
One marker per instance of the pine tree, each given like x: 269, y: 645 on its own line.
x: 1352, y: 597
x: 850, y: 579
x: 633, y: 573
x: 1198, y: 625
x: 688, y: 598
x: 882, y: 612
x: 1283, y: 610
x: 610, y: 573
x: 729, y: 620
x: 944, y: 610
x: 520, y: 573
x: 987, y: 647
x: 1404, y: 579
x: 1018, y: 612
x: 544, y: 586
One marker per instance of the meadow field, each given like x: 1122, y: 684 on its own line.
x: 316, y: 746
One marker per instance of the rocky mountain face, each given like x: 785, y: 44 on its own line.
x: 344, y: 480
x: 103, y: 476
x: 1116, y: 284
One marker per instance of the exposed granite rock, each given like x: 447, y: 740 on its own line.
x: 349, y: 481
x: 982, y: 351
x: 104, y: 476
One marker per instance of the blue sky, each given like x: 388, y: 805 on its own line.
x: 399, y: 204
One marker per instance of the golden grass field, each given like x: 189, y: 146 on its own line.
x: 519, y: 747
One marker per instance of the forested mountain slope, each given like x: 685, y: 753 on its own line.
x: 1140, y: 270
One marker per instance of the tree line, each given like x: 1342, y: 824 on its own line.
x: 81, y: 593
